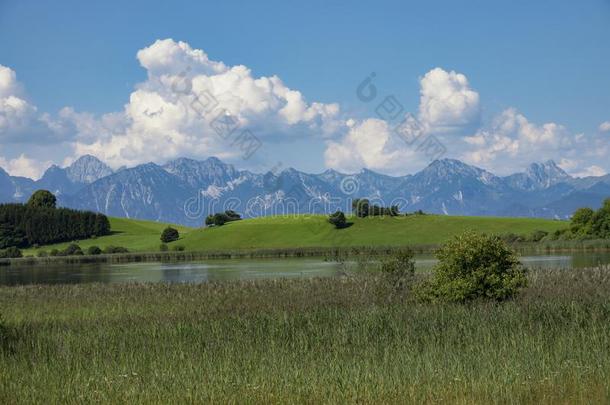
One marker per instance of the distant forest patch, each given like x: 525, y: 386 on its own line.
x: 40, y: 222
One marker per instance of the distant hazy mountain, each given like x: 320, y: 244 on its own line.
x: 185, y: 190
x: 86, y: 170
x: 64, y: 182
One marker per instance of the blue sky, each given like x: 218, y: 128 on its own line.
x: 539, y: 71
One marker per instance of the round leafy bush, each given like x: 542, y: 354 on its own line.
x: 163, y: 247
x: 475, y: 266
x: 10, y: 253
x: 399, y: 268
x: 72, y: 250
x: 94, y: 250
x: 169, y: 235
x: 115, y: 249
x: 338, y: 220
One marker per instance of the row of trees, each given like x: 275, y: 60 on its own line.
x: 39, y: 222
x: 222, y: 218
x: 361, y: 207
x: 589, y: 224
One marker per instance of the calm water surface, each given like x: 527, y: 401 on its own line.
x: 242, y: 269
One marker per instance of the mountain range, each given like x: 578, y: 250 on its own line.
x: 185, y: 191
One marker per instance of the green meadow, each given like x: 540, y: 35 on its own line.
x: 311, y: 231
x: 350, y: 339
x: 136, y: 235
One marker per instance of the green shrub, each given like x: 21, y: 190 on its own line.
x: 178, y: 248
x: 42, y: 253
x: 338, y: 220
x: 94, y: 250
x: 474, y: 266
x: 163, y: 247
x: 115, y: 249
x: 169, y: 234
x: 399, y: 268
x: 54, y: 252
x: 10, y: 253
x: 72, y: 250
x: 538, y: 235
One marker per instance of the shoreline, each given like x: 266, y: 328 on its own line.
x: 279, y: 253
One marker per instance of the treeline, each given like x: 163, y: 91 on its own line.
x: 39, y: 222
x: 221, y: 218
x: 588, y: 224
x: 361, y: 207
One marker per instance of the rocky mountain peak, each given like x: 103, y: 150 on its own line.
x: 87, y: 169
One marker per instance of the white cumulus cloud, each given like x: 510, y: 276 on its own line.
x: 372, y: 144
x: 448, y: 106
x: 16, y: 114
x: 174, y: 112
x: 25, y: 166
x: 447, y: 102
x: 512, y: 136
x: 604, y: 126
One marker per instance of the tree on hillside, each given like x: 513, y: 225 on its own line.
x: 360, y: 207
x: 221, y: 218
x: 588, y: 224
x: 169, y: 235
x: 42, y: 199
x: 338, y: 220
x: 601, y: 221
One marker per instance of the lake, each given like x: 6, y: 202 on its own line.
x: 238, y: 269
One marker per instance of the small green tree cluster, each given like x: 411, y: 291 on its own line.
x: 361, y: 207
x: 474, y: 266
x: 222, y: 218
x: 588, y: 224
x: 338, y: 220
x: 169, y: 234
x: 74, y: 249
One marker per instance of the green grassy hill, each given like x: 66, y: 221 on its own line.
x: 311, y: 231
x: 315, y: 231
x: 133, y: 234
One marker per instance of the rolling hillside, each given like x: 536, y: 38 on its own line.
x: 133, y: 234
x: 310, y: 231
x: 315, y: 231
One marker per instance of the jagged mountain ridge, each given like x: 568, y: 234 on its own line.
x: 186, y: 190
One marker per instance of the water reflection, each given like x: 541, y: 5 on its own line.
x: 244, y: 269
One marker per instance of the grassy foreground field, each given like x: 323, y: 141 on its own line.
x: 316, y: 341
